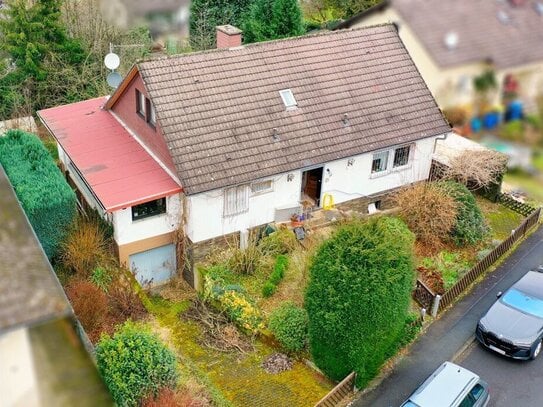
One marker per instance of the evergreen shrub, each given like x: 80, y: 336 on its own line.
x: 46, y: 198
x: 358, y: 296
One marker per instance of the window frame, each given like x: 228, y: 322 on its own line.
x: 408, y: 160
x: 232, y: 205
x: 261, y: 191
x: 151, y: 113
x: 161, y: 209
x: 286, y: 95
x: 140, y: 103
x: 386, y: 160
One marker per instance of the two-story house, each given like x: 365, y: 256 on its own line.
x: 220, y: 142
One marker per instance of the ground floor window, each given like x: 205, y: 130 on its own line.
x: 150, y: 208
x: 236, y: 200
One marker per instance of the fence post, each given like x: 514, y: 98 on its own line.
x: 422, y: 313
x: 435, y: 305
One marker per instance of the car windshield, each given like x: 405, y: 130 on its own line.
x: 409, y: 404
x: 524, y: 302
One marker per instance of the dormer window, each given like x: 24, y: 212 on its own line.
x: 288, y: 98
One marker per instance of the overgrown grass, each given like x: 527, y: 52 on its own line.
x: 501, y: 220
x: 528, y: 183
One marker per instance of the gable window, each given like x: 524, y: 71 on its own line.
x: 380, y: 162
x: 140, y: 103
x: 236, y: 200
x: 288, y: 98
x: 401, y: 156
x: 151, y: 114
x: 261, y: 187
x: 148, y: 209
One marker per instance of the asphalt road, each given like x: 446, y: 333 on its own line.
x: 511, y: 382
x: 453, y: 331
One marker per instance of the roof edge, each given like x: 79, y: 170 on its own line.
x: 357, y: 17
x: 143, y: 200
x: 122, y: 87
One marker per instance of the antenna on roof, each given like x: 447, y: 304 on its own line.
x: 451, y: 40
x: 112, y: 62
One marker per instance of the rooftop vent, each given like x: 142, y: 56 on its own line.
x: 288, y: 98
x: 275, y: 134
x: 451, y: 40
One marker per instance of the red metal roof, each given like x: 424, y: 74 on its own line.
x: 115, y: 166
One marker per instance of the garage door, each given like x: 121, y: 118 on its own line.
x: 154, y: 266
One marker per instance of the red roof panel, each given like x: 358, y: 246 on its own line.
x: 116, y: 167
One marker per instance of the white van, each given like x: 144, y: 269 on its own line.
x: 450, y: 386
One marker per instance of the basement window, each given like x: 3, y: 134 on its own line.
x: 147, y: 209
x: 288, y: 98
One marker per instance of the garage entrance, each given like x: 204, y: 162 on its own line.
x: 154, y: 266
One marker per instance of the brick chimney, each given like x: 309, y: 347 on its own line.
x: 228, y: 36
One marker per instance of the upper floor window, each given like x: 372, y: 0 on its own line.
x: 150, y: 208
x: 140, y: 103
x: 261, y: 187
x: 236, y: 200
x: 151, y: 114
x: 380, y: 162
x: 401, y: 156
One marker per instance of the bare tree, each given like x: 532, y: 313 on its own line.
x: 476, y: 168
x: 428, y: 212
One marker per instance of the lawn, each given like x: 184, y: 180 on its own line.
x: 532, y: 185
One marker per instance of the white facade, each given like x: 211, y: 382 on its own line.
x: 127, y: 230
x: 18, y: 384
x: 345, y: 179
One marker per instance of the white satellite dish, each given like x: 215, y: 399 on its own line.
x: 451, y: 40
x: 114, y: 79
x: 112, y: 61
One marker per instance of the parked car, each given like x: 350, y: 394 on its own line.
x: 450, y: 386
x: 513, y: 326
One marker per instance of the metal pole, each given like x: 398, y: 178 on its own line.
x: 435, y: 305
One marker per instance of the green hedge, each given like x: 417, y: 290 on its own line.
x: 358, y: 297
x: 135, y: 363
x: 470, y: 227
x: 47, y: 199
x: 288, y: 323
x: 281, y: 264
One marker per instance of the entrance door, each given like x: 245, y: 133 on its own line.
x: 311, y: 186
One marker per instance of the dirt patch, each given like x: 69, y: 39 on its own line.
x: 277, y: 363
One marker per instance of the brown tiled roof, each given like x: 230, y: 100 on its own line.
x: 218, y: 109
x: 29, y: 290
x: 497, y: 31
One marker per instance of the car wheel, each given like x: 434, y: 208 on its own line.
x: 536, y: 351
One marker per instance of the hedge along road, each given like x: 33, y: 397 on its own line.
x: 448, y: 336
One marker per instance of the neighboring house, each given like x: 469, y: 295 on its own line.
x: 218, y: 143
x: 42, y: 360
x: 453, y: 41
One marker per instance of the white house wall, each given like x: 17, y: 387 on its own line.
x: 344, y: 182
x: 127, y: 230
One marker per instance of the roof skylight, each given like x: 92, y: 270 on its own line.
x: 288, y: 98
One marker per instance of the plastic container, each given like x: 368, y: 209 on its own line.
x: 476, y: 125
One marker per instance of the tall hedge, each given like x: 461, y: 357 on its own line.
x: 47, y: 199
x: 134, y: 364
x: 358, y: 296
x: 470, y: 226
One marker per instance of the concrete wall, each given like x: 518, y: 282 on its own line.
x: 344, y: 182
x: 18, y: 385
x: 454, y: 86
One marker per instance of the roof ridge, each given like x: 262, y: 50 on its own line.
x: 321, y: 33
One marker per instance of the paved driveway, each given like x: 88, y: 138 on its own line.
x: 454, y: 330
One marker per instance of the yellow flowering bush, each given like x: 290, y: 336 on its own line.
x: 234, y: 302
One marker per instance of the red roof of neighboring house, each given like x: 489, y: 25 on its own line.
x: 115, y: 166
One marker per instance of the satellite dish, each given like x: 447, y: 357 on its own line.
x: 114, y: 79
x: 451, y: 40
x: 112, y: 61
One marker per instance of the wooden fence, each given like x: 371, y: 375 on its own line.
x: 511, y: 203
x: 338, y: 393
x: 488, y: 260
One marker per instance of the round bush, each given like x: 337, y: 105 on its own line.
x: 470, y: 226
x: 288, y: 323
x: 134, y: 363
x: 358, y: 296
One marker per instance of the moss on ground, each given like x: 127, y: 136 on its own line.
x: 232, y: 377
x: 501, y: 220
